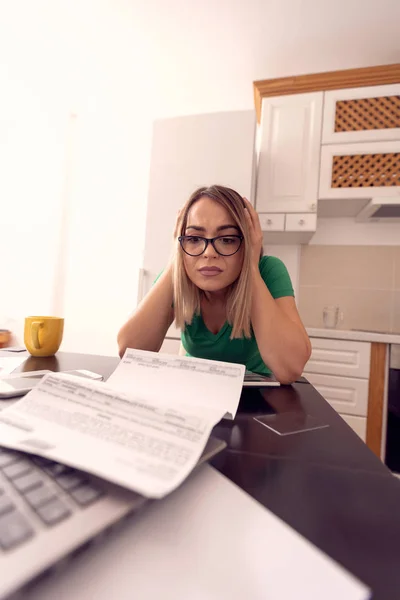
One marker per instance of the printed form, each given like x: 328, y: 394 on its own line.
x: 145, y: 429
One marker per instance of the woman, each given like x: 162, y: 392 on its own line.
x: 230, y: 302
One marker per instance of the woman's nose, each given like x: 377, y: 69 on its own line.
x: 210, y: 251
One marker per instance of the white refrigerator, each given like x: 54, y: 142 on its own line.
x: 189, y: 152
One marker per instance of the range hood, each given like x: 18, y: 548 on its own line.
x: 380, y: 210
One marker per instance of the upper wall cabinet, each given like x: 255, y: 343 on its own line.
x: 367, y: 114
x: 361, y: 170
x: 288, y: 153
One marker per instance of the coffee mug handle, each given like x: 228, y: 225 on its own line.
x: 36, y: 325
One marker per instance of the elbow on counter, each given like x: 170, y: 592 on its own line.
x: 122, y: 343
x: 288, y: 374
x: 121, y: 349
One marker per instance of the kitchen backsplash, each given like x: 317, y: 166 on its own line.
x: 364, y: 281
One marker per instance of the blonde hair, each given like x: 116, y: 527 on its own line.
x: 187, y: 295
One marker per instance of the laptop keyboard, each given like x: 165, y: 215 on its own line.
x: 35, y: 492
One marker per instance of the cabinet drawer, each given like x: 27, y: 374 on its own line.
x: 361, y: 170
x: 339, y: 357
x: 301, y: 222
x: 272, y: 222
x: 347, y: 395
x: 362, y: 114
x: 358, y: 425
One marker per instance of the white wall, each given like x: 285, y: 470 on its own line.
x: 346, y: 232
x: 65, y: 57
x: 118, y: 64
x: 290, y: 255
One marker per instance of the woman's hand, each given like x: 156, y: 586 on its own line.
x: 256, y: 234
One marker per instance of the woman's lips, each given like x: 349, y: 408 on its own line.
x: 210, y: 271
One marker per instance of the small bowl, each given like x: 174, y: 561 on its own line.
x: 5, y: 338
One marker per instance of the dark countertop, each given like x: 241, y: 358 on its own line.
x: 324, y: 483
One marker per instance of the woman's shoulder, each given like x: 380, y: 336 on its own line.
x: 276, y: 277
x: 271, y: 263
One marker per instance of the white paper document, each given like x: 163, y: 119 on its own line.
x: 180, y: 380
x: 146, y: 438
x: 9, y: 363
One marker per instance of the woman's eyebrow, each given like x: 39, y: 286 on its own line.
x: 195, y: 227
x: 220, y: 228
x: 223, y: 227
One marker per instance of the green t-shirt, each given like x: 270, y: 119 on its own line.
x: 198, y: 341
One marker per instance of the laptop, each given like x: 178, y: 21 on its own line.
x: 49, y: 511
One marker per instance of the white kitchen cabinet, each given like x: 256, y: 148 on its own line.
x: 272, y: 221
x: 301, y: 222
x: 339, y: 371
x: 346, y: 358
x: 288, y: 153
x: 189, y: 152
x: 347, y: 395
x: 366, y: 114
x: 358, y: 425
x: 361, y: 170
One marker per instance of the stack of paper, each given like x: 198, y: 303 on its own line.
x: 144, y: 429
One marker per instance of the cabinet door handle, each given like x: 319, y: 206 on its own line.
x: 269, y: 221
x: 301, y: 222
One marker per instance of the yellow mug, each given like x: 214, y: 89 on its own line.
x: 43, y: 335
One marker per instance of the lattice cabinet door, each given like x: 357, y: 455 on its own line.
x: 361, y: 170
x: 368, y: 114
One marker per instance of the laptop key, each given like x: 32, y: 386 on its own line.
x: 53, y: 512
x: 7, y: 458
x: 68, y: 481
x: 56, y: 469
x: 17, y: 469
x: 28, y: 482
x: 5, y: 504
x: 14, y: 529
x: 86, y: 494
x: 41, y: 461
x: 39, y: 496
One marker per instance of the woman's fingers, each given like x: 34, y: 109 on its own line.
x: 250, y: 208
x: 251, y: 211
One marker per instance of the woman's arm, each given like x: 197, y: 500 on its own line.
x: 281, y: 338
x: 147, y: 327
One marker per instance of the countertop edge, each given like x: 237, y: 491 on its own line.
x: 354, y: 335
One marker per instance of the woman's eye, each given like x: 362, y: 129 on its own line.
x: 228, y: 240
x: 193, y: 240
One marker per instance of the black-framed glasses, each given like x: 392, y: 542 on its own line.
x: 225, y: 245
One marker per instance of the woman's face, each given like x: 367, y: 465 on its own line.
x: 210, y: 271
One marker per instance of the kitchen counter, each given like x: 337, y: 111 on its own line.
x: 324, y: 483
x: 355, y: 335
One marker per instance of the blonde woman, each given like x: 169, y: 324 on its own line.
x: 230, y: 302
